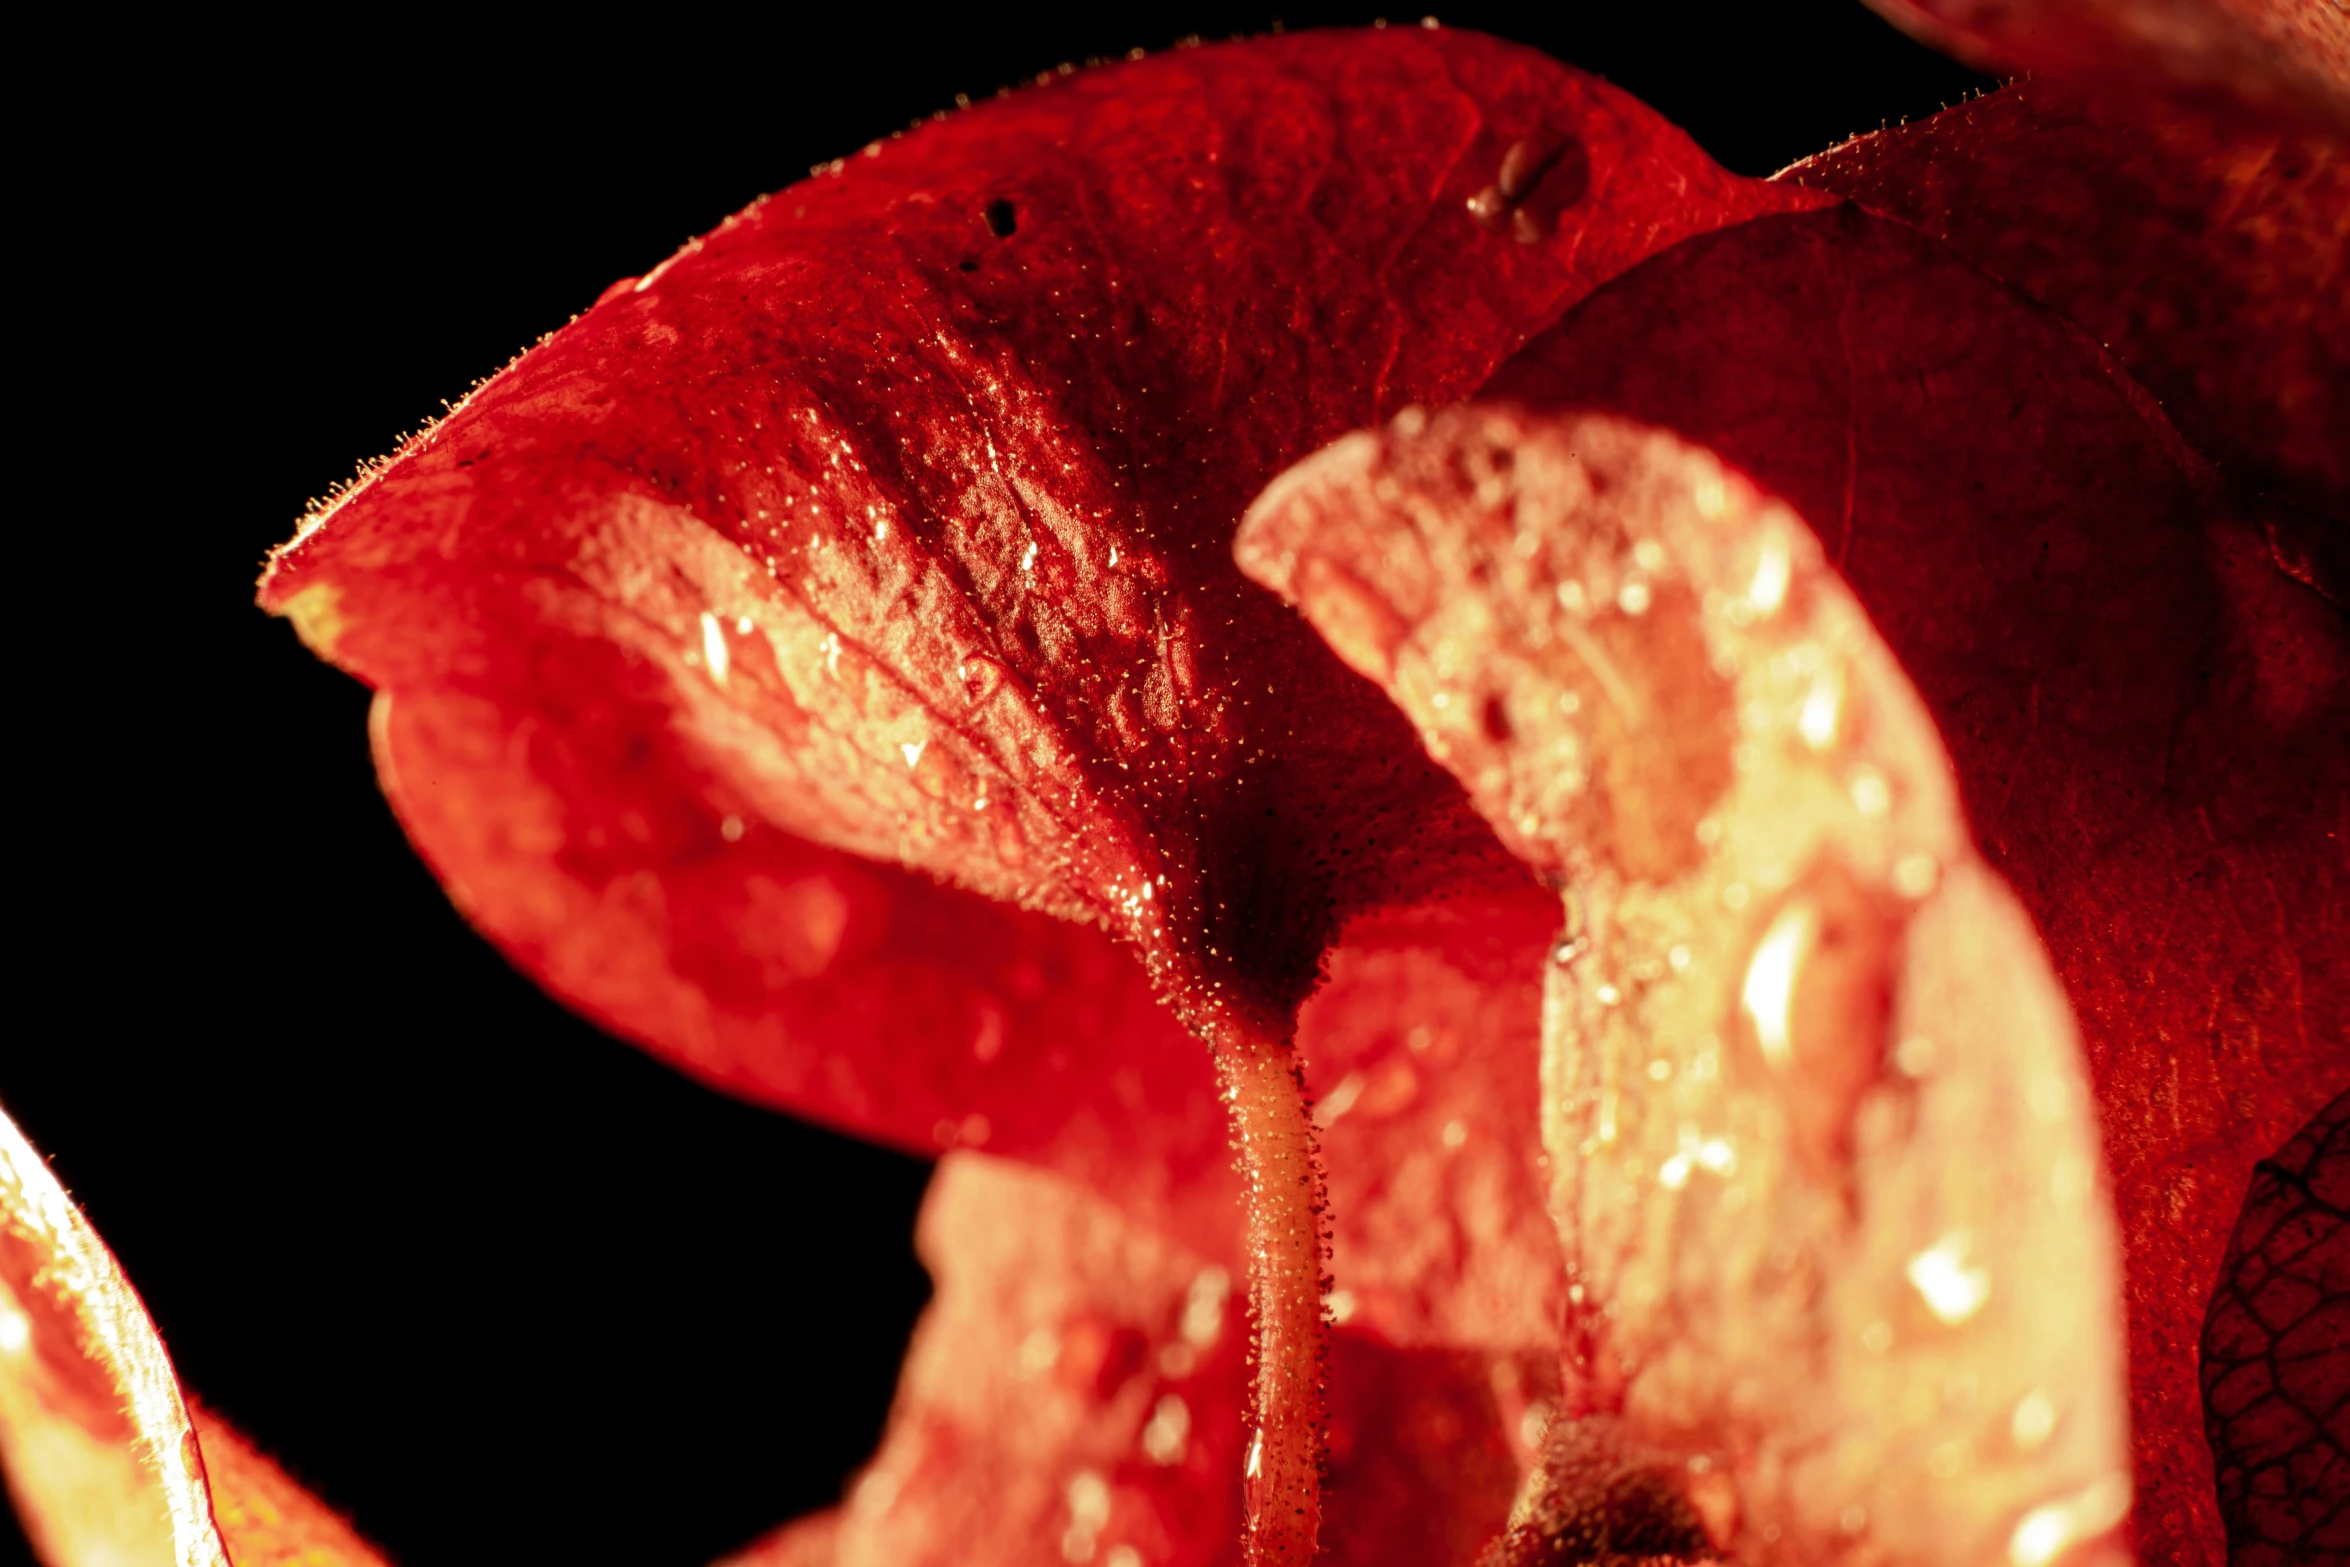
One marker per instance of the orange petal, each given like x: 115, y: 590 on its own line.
x: 1821, y: 1250
x: 101, y: 1462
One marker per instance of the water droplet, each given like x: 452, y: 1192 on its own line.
x: 1534, y: 1424
x: 1871, y: 795
x: 2048, y: 1531
x: 1634, y: 597
x: 1203, y: 1307
x: 1952, y: 1291
x: 1168, y: 1433
x: 1340, y: 1099
x: 1659, y: 1070
x: 1342, y: 1305
x: 1772, y: 566
x: 1710, y: 496
x: 1877, y: 1337
x: 1569, y: 949
x: 731, y: 829
x: 1914, y: 875
x: 1088, y: 1496
x: 1769, y: 992
x: 1821, y: 707
x: 1915, y: 1056
x: 714, y: 646
x: 1455, y: 1133
x: 2033, y: 1422
x: 913, y: 751
x: 1736, y: 896
x: 1038, y: 1352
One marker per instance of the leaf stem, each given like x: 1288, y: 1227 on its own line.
x: 1264, y: 1091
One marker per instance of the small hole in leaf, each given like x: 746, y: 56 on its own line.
x: 968, y: 264
x: 1001, y: 220
x: 1497, y: 720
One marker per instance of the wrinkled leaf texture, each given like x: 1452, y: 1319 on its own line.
x: 971, y: 493
x: 2146, y: 716
x: 702, y: 632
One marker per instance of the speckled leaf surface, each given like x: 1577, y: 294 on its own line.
x: 884, y: 529
x: 1817, y: 1260
x: 2145, y: 714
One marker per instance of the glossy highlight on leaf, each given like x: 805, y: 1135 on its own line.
x: 863, y: 525
x: 888, y: 524
x: 2145, y: 714
x: 1662, y: 1132
x: 1815, y: 1258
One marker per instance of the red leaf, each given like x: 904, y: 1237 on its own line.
x: 892, y: 518
x: 906, y: 424
x: 2145, y: 715
x: 2276, y: 1354
x: 2206, y: 257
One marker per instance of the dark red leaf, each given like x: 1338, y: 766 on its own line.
x: 2276, y: 1355
x: 2208, y: 258
x: 2146, y: 716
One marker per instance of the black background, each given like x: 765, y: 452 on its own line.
x: 489, y: 1281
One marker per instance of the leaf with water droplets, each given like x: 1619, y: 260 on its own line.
x: 816, y: 555
x: 1816, y: 1254
x: 1076, y: 1391
x: 823, y: 657
x: 2145, y: 713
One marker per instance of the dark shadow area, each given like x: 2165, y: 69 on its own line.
x: 495, y: 1284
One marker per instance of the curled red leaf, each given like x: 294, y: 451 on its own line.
x: 1822, y: 1273
x: 2145, y: 715
x: 887, y: 524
